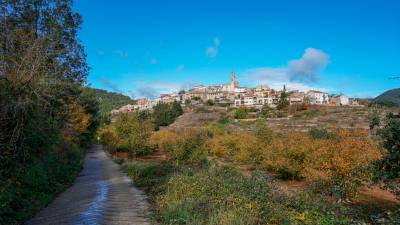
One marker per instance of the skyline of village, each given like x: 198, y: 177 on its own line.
x: 302, y: 44
x: 234, y: 95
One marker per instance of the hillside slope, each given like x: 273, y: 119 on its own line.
x: 391, y: 96
x: 109, y: 100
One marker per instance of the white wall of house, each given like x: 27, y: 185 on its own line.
x: 317, y: 97
x: 341, y: 100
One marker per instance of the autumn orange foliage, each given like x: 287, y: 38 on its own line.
x: 181, y: 145
x: 341, y: 162
x: 77, y: 123
x: 337, y: 165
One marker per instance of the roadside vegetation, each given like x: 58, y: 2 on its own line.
x: 47, y: 117
x: 130, y: 132
x: 228, y: 172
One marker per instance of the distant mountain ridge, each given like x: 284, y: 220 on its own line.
x: 110, y: 100
x: 389, y: 97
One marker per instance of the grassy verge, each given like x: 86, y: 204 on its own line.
x: 35, y: 185
x: 223, y: 195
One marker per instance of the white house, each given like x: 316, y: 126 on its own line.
x: 340, y: 100
x: 317, y: 97
x: 249, y: 100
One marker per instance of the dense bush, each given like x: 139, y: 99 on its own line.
x: 165, y: 114
x: 241, y: 113
x: 388, y: 168
x: 37, y: 183
x: 243, y: 147
x: 129, y: 133
x: 151, y: 177
x: 210, y: 102
x: 181, y: 146
x: 215, y: 195
x: 341, y: 163
x: 316, y: 133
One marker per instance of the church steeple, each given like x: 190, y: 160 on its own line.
x: 232, y: 77
x: 233, y: 83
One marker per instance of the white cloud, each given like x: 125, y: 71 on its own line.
x: 151, y: 89
x: 147, y: 92
x: 110, y: 85
x: 276, y: 78
x: 299, y: 74
x: 212, y: 51
x: 309, y: 65
x: 120, y: 53
x: 180, y: 68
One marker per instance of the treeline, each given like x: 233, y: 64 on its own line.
x: 109, y: 100
x: 46, y: 116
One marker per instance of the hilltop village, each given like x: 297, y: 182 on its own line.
x: 231, y: 94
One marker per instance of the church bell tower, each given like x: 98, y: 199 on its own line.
x: 233, y: 81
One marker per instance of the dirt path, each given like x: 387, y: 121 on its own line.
x: 102, y: 194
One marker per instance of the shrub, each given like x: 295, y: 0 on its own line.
x: 223, y: 195
x: 165, y: 114
x: 224, y: 118
x: 286, y: 155
x: 374, y: 120
x: 149, y: 176
x: 316, y: 133
x: 133, y: 134
x: 37, y: 183
x: 108, y: 137
x: 341, y: 163
x: 388, y: 167
x: 240, y: 147
x: 217, y: 196
x: 210, y: 102
x: 241, y: 113
x: 267, y: 111
x: 182, y: 145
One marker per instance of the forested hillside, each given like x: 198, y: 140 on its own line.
x: 109, y: 100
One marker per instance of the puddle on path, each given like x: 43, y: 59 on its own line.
x: 92, y: 215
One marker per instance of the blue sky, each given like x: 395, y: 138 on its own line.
x: 143, y: 48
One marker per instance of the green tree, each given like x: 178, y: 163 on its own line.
x: 283, y: 101
x: 176, y: 109
x: 43, y: 67
x: 162, y: 115
x: 165, y: 113
x: 374, y: 120
x: 388, y: 168
x: 42, y: 71
x: 133, y: 133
